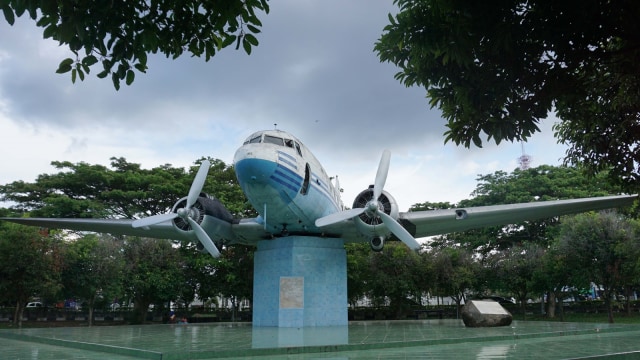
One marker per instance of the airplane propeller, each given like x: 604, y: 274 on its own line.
x: 185, y: 212
x: 372, y: 208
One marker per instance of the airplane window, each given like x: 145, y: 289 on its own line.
x: 255, y: 139
x: 288, y: 143
x: 298, y: 149
x: 273, y: 140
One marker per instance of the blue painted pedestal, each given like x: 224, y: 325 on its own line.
x: 300, y: 282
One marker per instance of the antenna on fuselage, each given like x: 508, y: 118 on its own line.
x: 275, y: 126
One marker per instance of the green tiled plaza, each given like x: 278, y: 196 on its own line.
x: 427, y: 339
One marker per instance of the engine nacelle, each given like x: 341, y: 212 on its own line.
x: 370, y: 226
x: 205, y: 205
x: 377, y: 243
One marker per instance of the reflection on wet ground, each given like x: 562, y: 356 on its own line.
x: 427, y: 339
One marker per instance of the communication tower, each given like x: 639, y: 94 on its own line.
x: 524, y: 160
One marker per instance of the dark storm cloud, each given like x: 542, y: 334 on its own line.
x: 314, y: 73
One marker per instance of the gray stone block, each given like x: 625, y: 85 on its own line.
x: 485, y: 313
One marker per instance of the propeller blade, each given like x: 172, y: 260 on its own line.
x: 399, y: 231
x: 198, y: 183
x: 204, y: 238
x: 339, y: 216
x: 381, y: 175
x: 152, y: 220
x: 194, y: 192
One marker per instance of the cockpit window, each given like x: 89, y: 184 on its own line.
x: 268, y: 139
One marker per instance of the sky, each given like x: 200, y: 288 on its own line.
x: 314, y: 74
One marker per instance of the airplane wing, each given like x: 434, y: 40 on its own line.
x: 418, y: 224
x: 437, y: 222
x: 111, y: 226
x: 242, y: 231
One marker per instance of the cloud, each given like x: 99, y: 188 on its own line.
x: 314, y: 74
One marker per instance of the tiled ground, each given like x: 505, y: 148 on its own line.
x: 429, y: 339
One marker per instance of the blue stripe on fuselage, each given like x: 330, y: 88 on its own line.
x: 283, y: 176
x: 251, y: 171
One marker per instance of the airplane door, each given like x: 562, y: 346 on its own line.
x: 305, y: 183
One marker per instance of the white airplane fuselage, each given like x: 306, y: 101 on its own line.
x: 285, y: 183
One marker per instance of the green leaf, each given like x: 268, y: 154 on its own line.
x: 253, y: 29
x: 65, y: 66
x: 140, y: 67
x: 251, y: 39
x: 391, y: 19
x: 228, y: 41
x: 89, y: 60
x: 116, y: 81
x: 73, y: 76
x: 246, y: 45
x: 130, y: 77
x: 103, y: 74
x: 20, y: 7
x: 50, y: 31
x: 477, y: 141
x: 8, y: 14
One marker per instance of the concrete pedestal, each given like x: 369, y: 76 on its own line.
x: 300, y: 281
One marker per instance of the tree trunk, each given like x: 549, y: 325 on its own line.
x: 561, y: 302
x: 627, y: 294
x: 607, y: 303
x: 17, y: 314
x: 551, y: 305
x: 139, y: 311
x: 91, y: 315
x: 91, y: 301
x: 523, y: 307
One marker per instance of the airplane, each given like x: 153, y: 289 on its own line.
x: 293, y: 195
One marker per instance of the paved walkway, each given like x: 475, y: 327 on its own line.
x: 428, y: 339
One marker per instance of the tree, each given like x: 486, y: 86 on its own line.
x: 456, y: 273
x: 153, y: 274
x: 595, y: 241
x: 124, y: 190
x: 198, y: 273
x: 120, y: 33
x: 358, y: 271
x: 93, y: 270
x: 30, y: 265
x: 515, y: 268
x: 535, y: 184
x: 552, y: 276
x: 630, y: 270
x: 233, y: 275
x: 499, y: 67
x: 396, y: 275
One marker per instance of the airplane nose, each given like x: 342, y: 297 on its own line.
x: 254, y: 170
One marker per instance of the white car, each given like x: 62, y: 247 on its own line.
x: 34, y: 304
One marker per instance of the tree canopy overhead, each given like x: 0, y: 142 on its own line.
x: 498, y: 67
x: 121, y: 33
